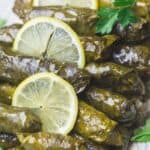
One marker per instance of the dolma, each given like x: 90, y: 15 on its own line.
x: 8, y: 34
x: 120, y: 137
x: 92, y: 146
x: 130, y: 85
x: 13, y: 119
x: 133, y: 33
x: 46, y: 141
x: 6, y: 93
x: 116, y: 77
x: 146, y: 80
x: 23, y: 3
x: 88, y: 143
x: 107, y: 73
x: 98, y: 48
x: 8, y: 140
x: 141, y: 113
x: 146, y: 43
x: 148, y: 88
x: 114, y: 105
x: 142, y: 9
x: 93, y: 125
x: 14, y: 69
x: 136, y: 56
x: 82, y: 20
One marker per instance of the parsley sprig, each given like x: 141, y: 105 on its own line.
x: 124, y: 3
x: 142, y: 134
x: 122, y: 13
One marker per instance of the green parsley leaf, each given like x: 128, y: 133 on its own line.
x: 142, y: 134
x: 126, y: 16
x: 104, y: 11
x: 2, y: 22
x: 143, y: 138
x: 108, y: 18
x: 124, y: 3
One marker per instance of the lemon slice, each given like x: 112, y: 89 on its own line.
x: 45, y: 35
x: 93, y: 4
x: 53, y: 100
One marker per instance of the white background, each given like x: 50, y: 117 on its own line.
x: 6, y: 11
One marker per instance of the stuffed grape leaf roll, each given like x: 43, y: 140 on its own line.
x: 116, y: 77
x: 47, y: 141
x: 93, y: 124
x: 136, y: 56
x: 15, y: 69
x: 114, y: 105
x: 8, y: 34
x: 96, y: 48
x: 134, y: 33
x: 8, y: 140
x: 6, y: 93
x: 14, y: 119
x: 82, y: 20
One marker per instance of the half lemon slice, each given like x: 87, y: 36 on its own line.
x: 92, y: 4
x: 52, y: 37
x: 52, y: 99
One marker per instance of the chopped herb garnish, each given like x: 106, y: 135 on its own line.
x: 126, y: 16
x: 142, y: 134
x: 110, y: 16
x: 124, y: 3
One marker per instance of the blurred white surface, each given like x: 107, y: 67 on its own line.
x: 140, y: 146
x: 7, y: 13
